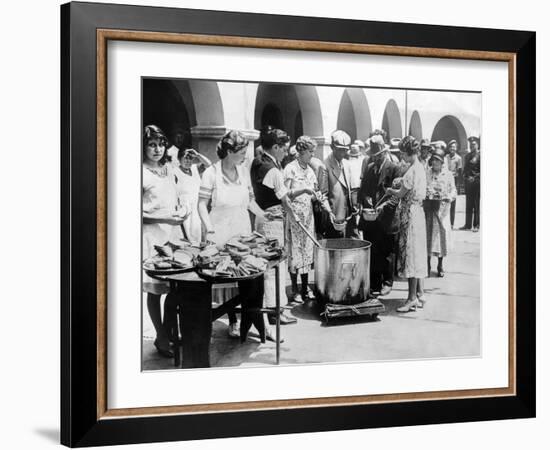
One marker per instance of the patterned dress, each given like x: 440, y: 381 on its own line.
x: 299, y: 244
x: 441, y: 192
x: 412, y: 260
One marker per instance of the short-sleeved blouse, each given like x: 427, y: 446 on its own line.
x: 415, y: 181
x: 297, y: 177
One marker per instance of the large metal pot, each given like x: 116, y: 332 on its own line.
x: 342, y: 270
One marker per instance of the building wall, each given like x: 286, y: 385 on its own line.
x: 212, y: 108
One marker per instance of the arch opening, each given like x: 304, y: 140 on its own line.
x: 391, y: 121
x: 292, y: 108
x: 448, y: 128
x: 415, y: 127
x: 354, y: 114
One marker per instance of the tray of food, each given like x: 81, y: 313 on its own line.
x: 170, y: 260
x: 242, y: 258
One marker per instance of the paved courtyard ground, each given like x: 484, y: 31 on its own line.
x: 448, y: 326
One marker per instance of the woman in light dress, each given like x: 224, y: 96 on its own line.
x: 441, y: 191
x: 301, y: 182
x: 188, y: 183
x: 412, y: 257
x: 227, y: 189
x: 160, y: 223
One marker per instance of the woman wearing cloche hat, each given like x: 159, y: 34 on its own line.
x: 440, y: 192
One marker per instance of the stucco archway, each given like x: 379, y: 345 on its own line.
x: 448, y: 128
x: 391, y: 122
x: 168, y: 107
x: 354, y: 114
x: 415, y: 127
x: 295, y: 108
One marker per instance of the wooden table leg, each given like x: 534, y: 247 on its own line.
x: 196, y: 315
x: 277, y: 314
x: 251, y: 293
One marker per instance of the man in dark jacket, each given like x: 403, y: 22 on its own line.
x: 472, y: 168
x: 376, y: 178
x: 267, y: 180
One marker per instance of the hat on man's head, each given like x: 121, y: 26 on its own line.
x: 451, y: 142
x: 377, y: 145
x: 474, y: 138
x: 425, y: 143
x: 438, y: 154
x: 360, y: 143
x: 439, y: 144
x: 340, y: 139
x: 394, y: 143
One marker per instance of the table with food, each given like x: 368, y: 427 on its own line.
x: 192, y: 270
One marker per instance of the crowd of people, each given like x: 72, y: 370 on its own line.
x: 410, y: 185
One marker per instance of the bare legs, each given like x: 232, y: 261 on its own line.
x: 415, y: 298
x: 413, y: 287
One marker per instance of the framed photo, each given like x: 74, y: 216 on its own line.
x: 278, y: 224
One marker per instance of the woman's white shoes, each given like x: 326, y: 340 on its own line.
x: 410, y: 305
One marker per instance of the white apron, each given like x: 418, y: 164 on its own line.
x: 229, y: 214
x: 160, y: 198
x: 188, y: 187
x: 229, y: 217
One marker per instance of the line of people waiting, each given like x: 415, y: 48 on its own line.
x: 281, y: 187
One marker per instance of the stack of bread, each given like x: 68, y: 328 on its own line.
x: 240, y: 257
x: 168, y: 258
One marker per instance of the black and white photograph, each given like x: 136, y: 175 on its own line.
x: 298, y: 224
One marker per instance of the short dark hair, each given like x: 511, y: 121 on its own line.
x: 275, y: 137
x: 151, y: 132
x: 232, y: 141
x: 182, y: 151
x: 263, y: 133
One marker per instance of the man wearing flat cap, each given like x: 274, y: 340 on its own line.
x: 378, y: 176
x: 472, y: 170
x: 338, y: 183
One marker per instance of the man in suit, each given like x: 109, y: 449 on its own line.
x: 472, y: 171
x: 338, y: 177
x: 378, y: 176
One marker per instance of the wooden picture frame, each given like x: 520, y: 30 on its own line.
x: 85, y: 30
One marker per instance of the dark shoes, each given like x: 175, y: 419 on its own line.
x: 164, y: 349
x: 465, y: 228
